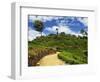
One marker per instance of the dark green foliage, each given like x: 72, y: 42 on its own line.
x: 72, y: 58
x: 62, y: 34
x: 83, y: 32
x: 38, y: 25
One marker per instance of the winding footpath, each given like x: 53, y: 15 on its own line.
x: 51, y: 60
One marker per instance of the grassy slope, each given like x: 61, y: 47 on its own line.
x: 71, y: 48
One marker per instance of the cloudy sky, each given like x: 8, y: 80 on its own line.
x: 68, y: 24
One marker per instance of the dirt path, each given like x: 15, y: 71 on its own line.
x: 51, y: 60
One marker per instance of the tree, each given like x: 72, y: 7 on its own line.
x: 83, y: 32
x: 62, y: 33
x: 86, y: 33
x: 38, y: 25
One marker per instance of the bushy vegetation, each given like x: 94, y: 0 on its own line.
x: 35, y: 54
x: 73, y: 50
x: 72, y: 58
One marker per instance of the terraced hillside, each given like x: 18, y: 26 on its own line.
x: 73, y: 50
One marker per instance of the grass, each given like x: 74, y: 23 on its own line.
x: 72, y: 58
x: 73, y: 50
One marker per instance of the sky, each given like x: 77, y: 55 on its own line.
x: 68, y: 24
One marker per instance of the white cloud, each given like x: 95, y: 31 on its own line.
x: 46, y: 18
x: 51, y: 29
x: 83, y: 20
x: 61, y: 28
x: 32, y: 18
x: 65, y: 29
x: 32, y: 34
x: 42, y: 18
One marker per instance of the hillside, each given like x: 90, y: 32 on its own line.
x: 73, y: 50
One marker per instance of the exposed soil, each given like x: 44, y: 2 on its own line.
x: 51, y: 60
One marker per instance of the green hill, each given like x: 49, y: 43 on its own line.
x: 73, y: 50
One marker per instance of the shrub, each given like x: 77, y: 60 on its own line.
x: 70, y: 58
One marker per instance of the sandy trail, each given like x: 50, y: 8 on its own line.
x: 51, y: 60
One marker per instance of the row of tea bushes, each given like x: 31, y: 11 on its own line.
x: 71, y: 58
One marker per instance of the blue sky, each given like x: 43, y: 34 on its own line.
x: 68, y: 24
